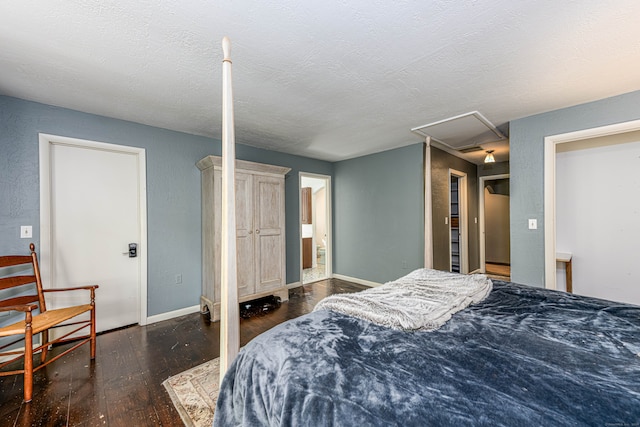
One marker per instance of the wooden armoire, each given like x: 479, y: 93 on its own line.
x: 260, y: 231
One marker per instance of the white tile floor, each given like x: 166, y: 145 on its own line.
x: 310, y: 275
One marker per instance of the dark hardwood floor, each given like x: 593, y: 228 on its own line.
x: 123, y: 386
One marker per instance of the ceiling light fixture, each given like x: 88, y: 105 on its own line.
x: 489, y: 158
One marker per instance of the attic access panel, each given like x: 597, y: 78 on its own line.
x: 460, y: 132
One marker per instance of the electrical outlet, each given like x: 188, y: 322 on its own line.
x: 26, y: 232
x: 178, y: 279
x: 533, y: 224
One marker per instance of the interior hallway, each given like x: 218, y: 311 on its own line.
x: 498, y: 271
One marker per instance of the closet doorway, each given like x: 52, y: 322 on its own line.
x: 591, y: 212
x: 315, y: 227
x: 458, y: 258
x: 495, y: 242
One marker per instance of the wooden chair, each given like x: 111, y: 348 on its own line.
x: 37, y: 319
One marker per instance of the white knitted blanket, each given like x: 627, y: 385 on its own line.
x: 422, y: 300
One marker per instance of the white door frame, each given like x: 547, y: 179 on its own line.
x: 329, y: 223
x: 46, y: 141
x: 481, y: 201
x: 428, y: 206
x: 550, y: 143
x: 462, y: 219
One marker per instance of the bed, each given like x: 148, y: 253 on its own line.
x: 520, y: 356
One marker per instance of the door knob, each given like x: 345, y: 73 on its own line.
x: 257, y: 231
x: 133, y: 250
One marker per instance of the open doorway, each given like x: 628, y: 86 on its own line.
x: 591, y: 214
x: 315, y: 227
x: 495, y: 243
x: 458, y: 258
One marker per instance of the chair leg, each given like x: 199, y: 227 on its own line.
x: 45, y: 339
x: 28, y: 361
x: 92, y: 344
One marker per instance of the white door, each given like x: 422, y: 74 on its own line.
x: 94, y: 214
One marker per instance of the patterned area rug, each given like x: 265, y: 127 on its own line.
x: 194, y: 393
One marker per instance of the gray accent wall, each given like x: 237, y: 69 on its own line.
x: 441, y: 162
x: 379, y: 214
x: 526, y: 137
x: 173, y: 190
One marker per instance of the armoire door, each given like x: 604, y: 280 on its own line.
x: 269, y: 232
x: 244, y: 232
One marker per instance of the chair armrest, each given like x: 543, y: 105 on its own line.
x: 22, y: 307
x: 79, y: 288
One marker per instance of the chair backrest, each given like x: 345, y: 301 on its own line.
x: 8, y: 280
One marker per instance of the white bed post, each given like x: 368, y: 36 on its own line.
x: 229, y: 311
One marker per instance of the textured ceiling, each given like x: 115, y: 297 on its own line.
x: 325, y: 79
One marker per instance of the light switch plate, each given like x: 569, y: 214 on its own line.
x: 26, y: 232
x: 533, y: 224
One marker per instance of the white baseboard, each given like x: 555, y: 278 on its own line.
x: 196, y: 308
x: 173, y: 314
x: 356, y: 280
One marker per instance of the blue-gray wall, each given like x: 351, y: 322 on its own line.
x: 173, y: 190
x: 379, y: 214
x: 526, y: 138
x: 378, y: 200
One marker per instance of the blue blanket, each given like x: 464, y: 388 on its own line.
x: 523, y: 356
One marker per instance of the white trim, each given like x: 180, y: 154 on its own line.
x: 462, y: 219
x: 550, y: 143
x: 481, y: 219
x: 464, y: 225
x: 476, y: 114
x: 45, y: 142
x: 428, y: 207
x: 173, y: 314
x: 300, y: 255
x: 328, y: 263
x: 358, y: 281
x: 293, y: 285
